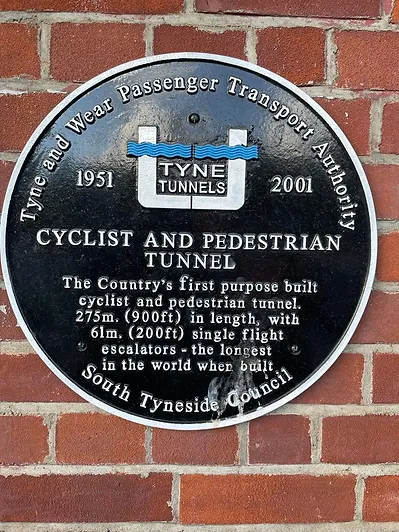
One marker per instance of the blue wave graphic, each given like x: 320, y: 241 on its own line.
x: 226, y: 152
x: 138, y: 149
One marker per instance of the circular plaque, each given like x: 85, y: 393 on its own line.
x: 188, y: 241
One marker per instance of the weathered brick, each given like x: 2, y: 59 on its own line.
x: 368, y: 59
x: 21, y: 114
x: 386, y: 378
x: 22, y: 40
x: 293, y: 8
x: 353, y: 117
x: 395, y: 12
x: 23, y: 440
x: 239, y: 499
x: 295, y: 53
x: 340, y: 385
x: 8, y: 323
x: 169, y: 39
x: 390, y: 135
x: 86, y: 498
x: 279, y: 440
x: 195, y: 447
x: 379, y: 321
x: 384, y: 184
x: 380, y: 499
x: 140, y: 7
x: 105, y: 45
x: 99, y: 439
x: 358, y: 439
x: 388, y: 257
x: 6, y: 168
x: 27, y: 378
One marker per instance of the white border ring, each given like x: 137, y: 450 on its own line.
x: 304, y: 97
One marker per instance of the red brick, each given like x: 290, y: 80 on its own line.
x: 239, y: 499
x: 386, y: 7
x: 195, y: 447
x: 384, y: 184
x: 23, y: 440
x: 282, y: 50
x: 104, y: 45
x: 340, y: 385
x: 6, y: 168
x: 169, y: 39
x: 390, y: 135
x: 353, y: 117
x: 19, y: 51
x: 368, y: 59
x: 99, y: 439
x: 279, y: 440
x: 27, y: 378
x: 97, y: 6
x: 395, y: 12
x: 381, y: 499
x: 360, y: 439
x: 86, y: 498
x: 386, y: 378
x: 21, y: 114
x: 380, y: 320
x: 293, y: 8
x: 8, y: 323
x: 388, y: 257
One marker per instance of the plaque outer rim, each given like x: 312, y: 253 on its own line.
x: 249, y: 67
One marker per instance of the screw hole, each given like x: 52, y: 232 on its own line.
x: 295, y: 349
x: 194, y: 118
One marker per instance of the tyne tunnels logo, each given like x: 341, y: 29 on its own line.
x: 169, y: 184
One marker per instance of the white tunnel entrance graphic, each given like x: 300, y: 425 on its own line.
x: 147, y: 179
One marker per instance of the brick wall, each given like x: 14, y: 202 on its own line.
x: 331, y: 455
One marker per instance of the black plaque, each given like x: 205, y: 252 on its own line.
x: 188, y: 241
